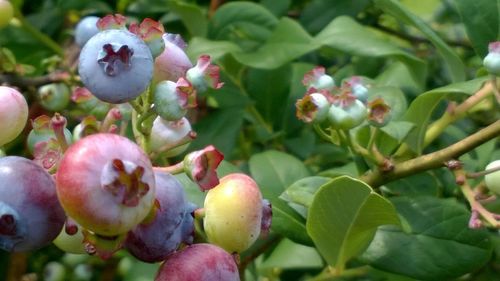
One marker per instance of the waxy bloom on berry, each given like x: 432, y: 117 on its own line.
x: 313, y: 107
x: 173, y: 99
x: 204, y: 75
x: 173, y: 63
x: 492, y: 61
x: 200, y: 166
x: 316, y: 78
x: 358, y: 89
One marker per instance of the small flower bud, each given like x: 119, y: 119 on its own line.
x: 151, y: 32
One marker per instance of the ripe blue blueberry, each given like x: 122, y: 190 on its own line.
x: 85, y: 29
x: 116, y: 66
x: 30, y: 213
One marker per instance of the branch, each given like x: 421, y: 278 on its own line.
x: 416, y: 39
x: 26, y: 82
x: 432, y: 160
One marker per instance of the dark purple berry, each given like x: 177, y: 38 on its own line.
x: 172, y: 224
x: 199, y: 262
x: 30, y: 214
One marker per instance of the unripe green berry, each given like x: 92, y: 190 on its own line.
x: 6, y: 13
x: 492, y: 61
x: 493, y: 179
x: 347, y: 117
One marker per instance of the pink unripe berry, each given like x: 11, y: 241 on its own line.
x: 13, y: 114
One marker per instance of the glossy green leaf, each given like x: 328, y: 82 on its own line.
x: 440, y: 245
x: 290, y: 255
x: 453, y: 63
x: 300, y: 194
x: 192, y: 16
x: 343, y: 218
x: 345, y: 34
x: 274, y: 171
x: 482, y: 22
x: 422, y: 108
x: 277, y: 7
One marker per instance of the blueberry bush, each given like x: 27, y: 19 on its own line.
x: 216, y: 140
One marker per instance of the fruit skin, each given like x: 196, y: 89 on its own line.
x: 492, y: 60
x: 125, y: 76
x: 492, y: 180
x: 169, y: 132
x: 13, y: 113
x: 199, y: 262
x: 85, y: 29
x: 54, y: 97
x: 70, y: 243
x: 32, y: 200
x: 233, y: 213
x: 83, y: 184
x: 173, y: 62
x: 347, y: 117
x: 154, y: 241
x: 6, y: 13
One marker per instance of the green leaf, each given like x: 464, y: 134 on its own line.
x: 274, y: 171
x: 220, y: 128
x: 422, y: 108
x: 454, y: 65
x: 269, y: 88
x: 318, y: 13
x: 300, y: 194
x: 481, y: 20
x: 345, y: 34
x: 216, y: 49
x: 287, y: 42
x: 277, y: 7
x: 192, y: 16
x: 245, y: 23
x: 290, y: 255
x: 440, y: 245
x: 415, y: 185
x: 343, y: 218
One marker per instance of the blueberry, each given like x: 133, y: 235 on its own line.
x: 155, y: 240
x: 85, y: 29
x: 199, y: 262
x: 116, y: 66
x: 30, y: 213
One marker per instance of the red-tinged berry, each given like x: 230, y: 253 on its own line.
x: 13, y: 114
x: 105, y: 182
x: 173, y: 62
x: 199, y: 262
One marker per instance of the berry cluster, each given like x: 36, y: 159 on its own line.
x: 344, y: 107
x: 93, y: 190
